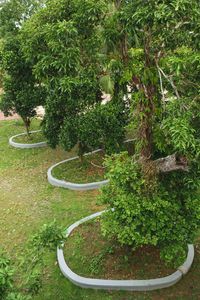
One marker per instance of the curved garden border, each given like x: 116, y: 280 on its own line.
x: 70, y: 185
x: 76, y: 186
x: 131, y: 285
x: 26, y: 146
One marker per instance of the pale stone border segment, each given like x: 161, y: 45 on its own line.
x: 76, y: 186
x: 70, y: 185
x: 129, y: 285
x: 26, y: 146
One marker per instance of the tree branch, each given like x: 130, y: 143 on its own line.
x: 161, y: 84
x: 169, y: 80
x: 172, y: 163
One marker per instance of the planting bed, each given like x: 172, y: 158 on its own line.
x: 118, y: 268
x: 23, y: 141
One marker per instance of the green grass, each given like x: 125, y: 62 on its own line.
x: 27, y: 201
x: 35, y: 137
x: 81, y: 172
x: 90, y: 170
x: 106, y: 259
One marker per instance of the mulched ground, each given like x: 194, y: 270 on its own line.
x: 2, y: 117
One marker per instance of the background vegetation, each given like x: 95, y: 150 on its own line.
x: 23, y: 173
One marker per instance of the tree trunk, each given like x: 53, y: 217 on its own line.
x: 171, y: 163
x: 27, y: 123
x: 118, y: 4
x: 146, y: 106
x: 81, y: 152
x: 124, y: 48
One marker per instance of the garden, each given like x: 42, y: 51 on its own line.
x: 100, y: 197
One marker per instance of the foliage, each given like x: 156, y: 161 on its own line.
x: 64, y: 42
x: 47, y: 239
x: 22, y: 93
x: 7, y: 289
x: 6, y: 274
x: 160, y: 43
x: 157, y: 46
x: 162, y: 214
x: 14, y: 12
x: 148, y: 53
x: 17, y: 296
x: 93, y: 129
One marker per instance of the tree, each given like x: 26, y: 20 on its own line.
x: 156, y: 193
x: 102, y: 127
x: 64, y: 42
x: 22, y: 92
x: 150, y: 50
x: 14, y: 12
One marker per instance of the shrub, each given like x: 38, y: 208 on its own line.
x: 159, y: 213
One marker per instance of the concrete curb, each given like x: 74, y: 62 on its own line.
x: 70, y: 185
x: 129, y: 285
x: 26, y: 146
x: 76, y: 186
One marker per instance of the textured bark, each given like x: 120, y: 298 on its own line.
x: 118, y: 3
x: 27, y: 123
x: 124, y: 48
x: 171, y: 163
x: 146, y: 108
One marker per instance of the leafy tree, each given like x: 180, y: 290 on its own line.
x: 22, y: 93
x: 151, y: 52
x: 102, y: 127
x: 14, y: 12
x: 156, y: 193
x: 64, y: 41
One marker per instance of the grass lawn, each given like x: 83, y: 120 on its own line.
x: 27, y: 201
x: 90, y: 170
x: 35, y: 137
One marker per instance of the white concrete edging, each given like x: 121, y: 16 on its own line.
x: 129, y: 285
x: 76, y: 186
x: 26, y: 146
x: 70, y: 185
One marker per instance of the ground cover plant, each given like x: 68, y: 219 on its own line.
x: 47, y: 239
x: 27, y: 202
